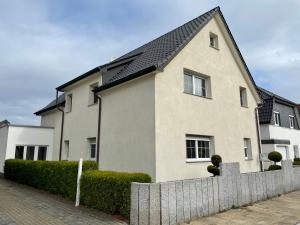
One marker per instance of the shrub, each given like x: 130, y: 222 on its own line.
x: 275, y: 157
x: 296, y: 162
x: 214, y: 170
x: 216, y: 160
x: 274, y: 167
x: 109, y: 191
x: 58, y: 177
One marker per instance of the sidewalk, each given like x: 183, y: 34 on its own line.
x: 22, y: 205
x: 284, y: 210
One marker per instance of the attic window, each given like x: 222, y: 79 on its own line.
x: 213, y: 41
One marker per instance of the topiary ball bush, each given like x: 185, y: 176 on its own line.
x: 275, y: 156
x: 214, y: 170
x: 216, y: 160
x: 274, y: 167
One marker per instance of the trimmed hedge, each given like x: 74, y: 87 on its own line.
x: 58, y: 177
x: 109, y: 191
x: 274, y: 167
x: 296, y: 162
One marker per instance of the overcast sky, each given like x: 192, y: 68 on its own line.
x: 46, y: 43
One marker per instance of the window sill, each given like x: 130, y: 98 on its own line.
x: 206, y: 97
x: 214, y: 47
x: 246, y: 159
x: 244, y: 106
x: 197, y: 160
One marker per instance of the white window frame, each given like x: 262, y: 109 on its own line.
x: 92, y: 95
x: 92, y: 141
x: 215, y: 41
x: 243, y: 97
x: 275, y: 113
x: 247, y: 148
x: 204, y: 79
x: 69, y: 103
x: 196, y: 139
x: 292, y: 121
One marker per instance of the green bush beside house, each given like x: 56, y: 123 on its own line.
x: 107, y: 191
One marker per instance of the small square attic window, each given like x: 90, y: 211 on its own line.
x: 213, y: 40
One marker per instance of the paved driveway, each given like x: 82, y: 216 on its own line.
x: 284, y: 210
x: 22, y: 205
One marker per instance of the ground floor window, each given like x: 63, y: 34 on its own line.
x: 30, y: 153
x: 198, y: 148
x: 42, y: 153
x: 19, y: 153
x: 92, y: 148
x: 296, y: 151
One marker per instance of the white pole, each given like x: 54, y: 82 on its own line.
x: 78, y: 183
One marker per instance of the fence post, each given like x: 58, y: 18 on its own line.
x: 78, y: 182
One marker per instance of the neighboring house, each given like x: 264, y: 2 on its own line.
x: 165, y: 107
x: 279, y: 125
x: 25, y: 142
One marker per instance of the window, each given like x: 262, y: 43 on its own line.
x: 243, y: 97
x: 92, y: 148
x: 30, y: 153
x: 277, y: 118
x: 296, y: 151
x: 292, y: 121
x: 42, y: 153
x: 213, y: 40
x: 198, y: 148
x: 66, y: 150
x: 92, y: 97
x: 69, y: 103
x: 196, y: 84
x: 247, y: 149
x: 19, y: 152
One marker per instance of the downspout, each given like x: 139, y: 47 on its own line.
x: 62, y: 126
x: 258, y: 137
x: 99, y: 127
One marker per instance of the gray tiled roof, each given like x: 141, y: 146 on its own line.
x: 266, y: 111
x: 52, y: 105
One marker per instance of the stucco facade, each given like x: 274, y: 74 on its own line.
x: 81, y: 122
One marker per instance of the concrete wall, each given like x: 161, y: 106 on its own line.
x: 180, y: 202
x: 53, y: 119
x: 221, y: 116
x: 3, y: 144
x: 127, y: 141
x: 82, y: 122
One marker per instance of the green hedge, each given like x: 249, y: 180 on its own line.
x: 58, y: 177
x: 109, y: 191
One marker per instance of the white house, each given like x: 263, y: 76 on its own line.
x: 279, y: 126
x: 163, y: 108
x: 25, y: 142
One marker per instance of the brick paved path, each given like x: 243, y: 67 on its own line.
x: 22, y: 205
x: 284, y: 210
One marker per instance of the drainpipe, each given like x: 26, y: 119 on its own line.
x: 99, y: 126
x: 62, y: 126
x: 258, y: 137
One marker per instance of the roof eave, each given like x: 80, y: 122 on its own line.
x: 38, y: 113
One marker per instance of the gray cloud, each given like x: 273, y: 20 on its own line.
x: 44, y: 43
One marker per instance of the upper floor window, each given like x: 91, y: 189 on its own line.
x: 243, y: 97
x: 196, y: 84
x: 69, y: 103
x: 198, y: 148
x: 277, y: 118
x: 92, y: 97
x: 292, y: 121
x: 213, y: 40
x: 247, y: 149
